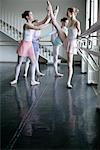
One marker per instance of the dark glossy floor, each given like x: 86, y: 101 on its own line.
x: 48, y: 116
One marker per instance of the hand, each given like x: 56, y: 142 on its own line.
x: 49, y: 6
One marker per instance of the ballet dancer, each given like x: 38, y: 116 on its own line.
x: 36, y: 48
x: 25, y: 48
x: 69, y: 42
x: 56, y: 42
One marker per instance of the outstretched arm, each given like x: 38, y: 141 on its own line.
x: 55, y: 23
x: 46, y: 19
x: 43, y: 21
x: 31, y: 26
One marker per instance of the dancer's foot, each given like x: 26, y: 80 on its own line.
x: 69, y: 86
x: 14, y: 85
x: 25, y: 75
x: 13, y: 82
x: 35, y: 83
x: 56, y: 11
x: 40, y: 74
x: 59, y: 75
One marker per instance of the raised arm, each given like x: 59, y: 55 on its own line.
x: 31, y: 26
x: 46, y: 20
x: 34, y: 27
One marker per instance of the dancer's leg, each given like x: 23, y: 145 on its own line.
x: 55, y: 56
x: 37, y: 64
x: 27, y: 67
x: 54, y: 35
x: 17, y: 71
x: 55, y: 23
x: 33, y: 68
x: 56, y: 11
x: 70, y: 69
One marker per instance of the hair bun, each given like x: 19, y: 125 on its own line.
x: 77, y: 10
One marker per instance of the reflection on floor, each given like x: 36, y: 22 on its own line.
x: 48, y: 116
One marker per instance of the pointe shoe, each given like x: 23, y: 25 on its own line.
x: 56, y: 11
x: 69, y: 86
x: 59, y: 75
x: 35, y: 83
x: 40, y: 74
x: 57, y: 8
x: 13, y: 82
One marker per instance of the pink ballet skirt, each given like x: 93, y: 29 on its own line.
x: 70, y: 45
x: 25, y: 49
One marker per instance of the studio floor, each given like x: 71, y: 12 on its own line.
x: 48, y: 116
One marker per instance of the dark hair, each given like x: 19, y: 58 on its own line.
x: 26, y: 13
x: 63, y: 19
x: 71, y: 10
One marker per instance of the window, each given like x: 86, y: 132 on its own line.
x: 92, y: 16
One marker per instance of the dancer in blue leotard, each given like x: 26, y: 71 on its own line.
x: 57, y: 42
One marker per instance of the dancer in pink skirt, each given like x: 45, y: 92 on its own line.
x: 25, y: 48
x: 36, y: 49
x: 69, y: 42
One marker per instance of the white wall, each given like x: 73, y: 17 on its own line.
x: 7, y: 49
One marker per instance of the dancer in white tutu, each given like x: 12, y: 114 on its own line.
x: 69, y: 42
